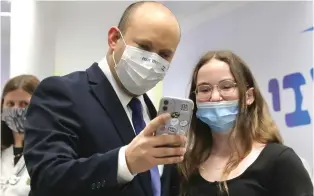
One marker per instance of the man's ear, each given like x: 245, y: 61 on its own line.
x: 113, y: 37
x: 250, y: 98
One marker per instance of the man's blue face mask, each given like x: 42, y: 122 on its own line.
x: 219, y: 116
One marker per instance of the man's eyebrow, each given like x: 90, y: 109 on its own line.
x: 150, y: 44
x: 167, y: 51
x: 144, y: 42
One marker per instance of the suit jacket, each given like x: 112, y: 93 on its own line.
x: 75, y: 127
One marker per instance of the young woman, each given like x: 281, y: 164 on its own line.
x: 16, y: 95
x: 235, y: 147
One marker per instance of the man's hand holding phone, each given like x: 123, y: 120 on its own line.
x: 147, y: 150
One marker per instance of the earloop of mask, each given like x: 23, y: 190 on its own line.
x: 122, y: 37
x: 114, y: 60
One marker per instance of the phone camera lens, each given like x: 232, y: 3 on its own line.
x: 166, y: 102
x: 165, y: 108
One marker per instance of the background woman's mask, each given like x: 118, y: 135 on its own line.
x: 14, y: 118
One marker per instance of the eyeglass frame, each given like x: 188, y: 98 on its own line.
x: 216, y: 86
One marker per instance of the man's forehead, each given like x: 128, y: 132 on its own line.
x: 155, y: 34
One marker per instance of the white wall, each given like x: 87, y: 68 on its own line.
x: 5, y: 50
x: 59, y: 37
x: 46, y: 26
x: 267, y: 35
x: 82, y: 32
x: 22, y: 20
x: 33, y: 31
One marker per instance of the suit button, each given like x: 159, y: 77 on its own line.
x: 98, y: 185
x: 103, y: 183
x: 93, y: 186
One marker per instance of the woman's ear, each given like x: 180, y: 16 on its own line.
x: 250, y: 96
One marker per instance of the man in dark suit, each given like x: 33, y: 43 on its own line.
x: 89, y: 133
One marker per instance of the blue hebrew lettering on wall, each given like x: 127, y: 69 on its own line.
x: 308, y: 29
x: 299, y: 116
x: 293, y: 81
x: 273, y: 88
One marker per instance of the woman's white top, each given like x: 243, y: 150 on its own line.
x: 14, y: 180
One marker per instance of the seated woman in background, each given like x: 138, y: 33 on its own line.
x: 15, y: 98
x: 235, y: 147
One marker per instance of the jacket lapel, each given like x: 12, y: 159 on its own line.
x: 151, y: 108
x: 109, y: 100
x: 165, y: 181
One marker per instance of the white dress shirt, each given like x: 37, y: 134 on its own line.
x: 124, y: 175
x: 14, y: 179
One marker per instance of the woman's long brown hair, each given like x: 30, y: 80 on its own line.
x: 253, y: 124
x: 26, y: 82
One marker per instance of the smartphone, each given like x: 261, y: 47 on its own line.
x: 181, y: 111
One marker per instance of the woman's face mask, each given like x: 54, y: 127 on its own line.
x: 14, y: 118
x: 219, y: 116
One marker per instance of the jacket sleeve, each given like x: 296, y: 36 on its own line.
x: 52, y: 146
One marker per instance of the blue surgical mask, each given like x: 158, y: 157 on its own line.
x: 219, y: 116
